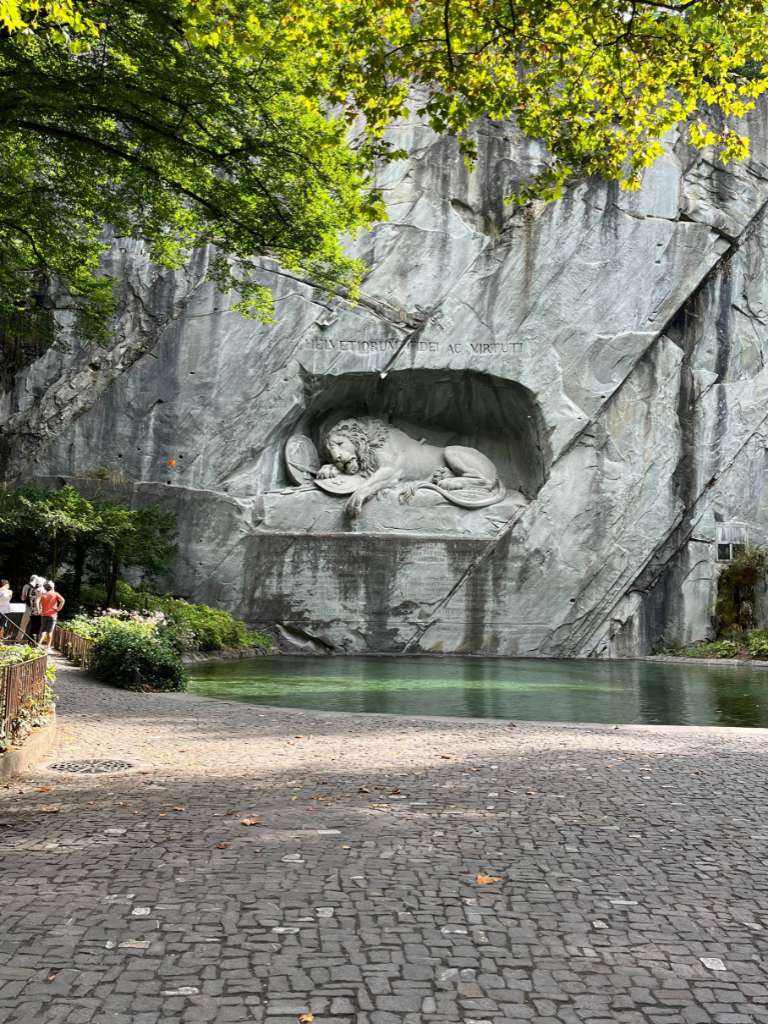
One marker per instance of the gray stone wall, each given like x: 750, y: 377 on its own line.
x: 607, y: 351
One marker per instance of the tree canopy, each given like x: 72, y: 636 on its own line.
x: 178, y: 121
x: 600, y: 82
x: 45, y: 531
x: 225, y: 121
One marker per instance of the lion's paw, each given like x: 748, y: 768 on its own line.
x: 325, y: 472
x: 353, y: 506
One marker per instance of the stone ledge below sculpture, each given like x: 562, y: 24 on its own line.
x: 307, y: 509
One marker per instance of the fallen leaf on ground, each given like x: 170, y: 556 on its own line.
x: 363, y: 789
x: 178, y: 808
x: 306, y: 1018
x: 251, y: 821
x: 42, y: 789
x: 446, y: 757
x: 49, y: 809
x: 488, y: 879
x: 394, y: 792
x: 222, y: 846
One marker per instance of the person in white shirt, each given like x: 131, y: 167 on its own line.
x: 5, y: 606
x: 30, y: 595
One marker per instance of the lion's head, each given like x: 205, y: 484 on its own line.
x: 352, y: 445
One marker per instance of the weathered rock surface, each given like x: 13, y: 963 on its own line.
x: 607, y: 351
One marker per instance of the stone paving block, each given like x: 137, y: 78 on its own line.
x: 405, y: 936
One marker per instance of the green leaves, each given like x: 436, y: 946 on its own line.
x: 48, y: 529
x: 185, y: 123
x: 223, y: 122
x: 599, y: 82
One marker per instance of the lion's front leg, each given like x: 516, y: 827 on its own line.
x: 383, y: 477
x: 328, y: 470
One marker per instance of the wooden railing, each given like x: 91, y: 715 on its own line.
x: 19, y: 684
x: 72, y: 646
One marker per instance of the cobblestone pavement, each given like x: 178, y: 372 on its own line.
x: 632, y: 866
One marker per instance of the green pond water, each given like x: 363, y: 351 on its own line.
x: 619, y: 692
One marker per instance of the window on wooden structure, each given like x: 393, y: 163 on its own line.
x: 732, y: 539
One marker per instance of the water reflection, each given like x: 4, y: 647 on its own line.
x: 566, y: 691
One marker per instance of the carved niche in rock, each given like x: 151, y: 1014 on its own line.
x: 367, y: 455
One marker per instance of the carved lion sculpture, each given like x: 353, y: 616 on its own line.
x: 384, y: 456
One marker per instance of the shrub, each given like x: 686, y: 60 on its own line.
x: 193, y: 627
x: 736, y: 588
x: 82, y: 626
x: 34, y: 710
x: 15, y: 654
x: 92, y: 595
x: 717, y: 649
x: 135, y: 656
x: 757, y: 641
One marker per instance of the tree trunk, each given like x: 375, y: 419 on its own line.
x: 114, y: 572
x: 78, y: 566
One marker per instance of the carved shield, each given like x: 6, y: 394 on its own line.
x: 301, y: 459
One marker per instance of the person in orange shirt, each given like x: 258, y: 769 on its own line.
x: 51, y: 604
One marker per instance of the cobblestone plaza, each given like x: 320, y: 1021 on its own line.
x: 257, y: 865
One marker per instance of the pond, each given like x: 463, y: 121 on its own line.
x: 615, y: 692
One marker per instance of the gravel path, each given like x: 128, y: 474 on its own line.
x: 632, y: 868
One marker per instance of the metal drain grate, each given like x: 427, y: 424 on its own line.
x: 90, y: 767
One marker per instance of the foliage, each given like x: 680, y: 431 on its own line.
x: 183, y: 122
x: 716, y: 649
x: 34, y: 711
x: 599, y: 81
x: 17, y: 654
x: 194, y: 627
x: 84, y: 626
x: 133, y: 656
x: 757, y: 641
x: 736, y: 588
x: 93, y: 595
x: 45, y: 529
x: 183, y: 626
x: 223, y: 121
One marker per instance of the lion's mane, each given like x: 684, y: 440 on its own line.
x: 366, y: 435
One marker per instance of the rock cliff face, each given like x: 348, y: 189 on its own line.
x: 606, y: 351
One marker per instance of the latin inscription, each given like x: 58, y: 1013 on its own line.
x: 367, y: 347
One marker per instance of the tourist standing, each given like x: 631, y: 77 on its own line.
x: 30, y: 594
x: 51, y: 604
x: 5, y: 606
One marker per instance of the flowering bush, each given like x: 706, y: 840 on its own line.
x: 191, y: 627
x: 135, y: 656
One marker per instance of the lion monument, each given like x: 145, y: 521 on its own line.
x: 372, y: 455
